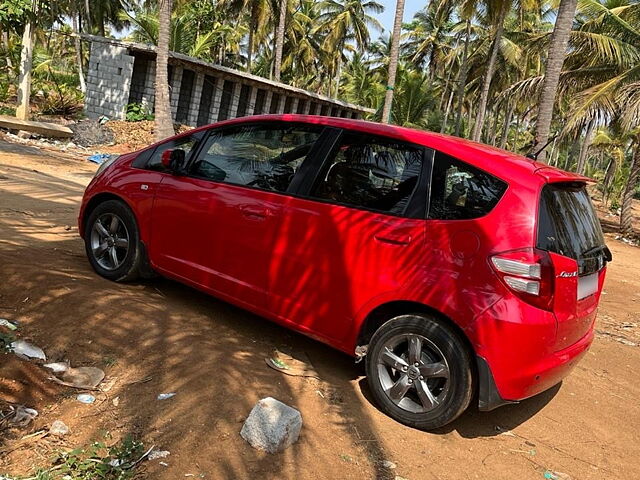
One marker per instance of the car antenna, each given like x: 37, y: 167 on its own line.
x: 534, y: 156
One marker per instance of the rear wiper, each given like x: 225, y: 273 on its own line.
x: 598, y: 248
x: 595, y: 249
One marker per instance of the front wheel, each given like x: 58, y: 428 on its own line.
x: 419, y: 371
x: 112, y: 241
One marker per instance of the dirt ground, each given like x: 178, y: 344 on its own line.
x: 160, y: 337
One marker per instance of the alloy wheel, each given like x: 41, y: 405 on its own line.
x: 109, y: 241
x: 413, y: 373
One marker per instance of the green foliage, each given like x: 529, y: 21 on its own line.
x: 14, y: 13
x: 61, y: 99
x: 94, y: 461
x: 5, y: 342
x: 137, y: 112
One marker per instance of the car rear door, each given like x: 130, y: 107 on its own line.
x: 215, y: 226
x: 569, y: 229
x: 352, y: 233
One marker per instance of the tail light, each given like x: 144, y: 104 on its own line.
x: 528, y: 273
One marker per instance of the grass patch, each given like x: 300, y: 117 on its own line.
x: 92, y: 462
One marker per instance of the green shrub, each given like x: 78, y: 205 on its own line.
x: 61, y: 100
x: 137, y: 112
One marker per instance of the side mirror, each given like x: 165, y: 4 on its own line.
x: 173, y: 160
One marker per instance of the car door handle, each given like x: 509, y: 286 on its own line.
x: 394, y: 239
x: 256, y: 213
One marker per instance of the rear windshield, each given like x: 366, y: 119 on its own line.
x: 567, y: 223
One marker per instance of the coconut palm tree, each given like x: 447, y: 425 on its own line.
x: 555, y: 60
x: 393, y: 61
x: 163, y: 118
x: 497, y: 10
x: 282, y: 18
x: 345, y: 21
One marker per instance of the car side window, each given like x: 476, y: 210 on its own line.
x: 183, y: 143
x: 370, y: 172
x: 260, y: 156
x: 460, y: 191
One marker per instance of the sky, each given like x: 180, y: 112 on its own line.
x: 410, y: 7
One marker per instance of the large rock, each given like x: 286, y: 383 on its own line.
x: 272, y: 426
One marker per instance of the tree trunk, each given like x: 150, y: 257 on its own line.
x: 462, y: 78
x: 163, y: 120
x: 393, y: 61
x: 507, y: 124
x: 626, y: 217
x: 5, y: 44
x: 250, y: 49
x: 280, y: 40
x: 87, y: 16
x: 488, y: 76
x: 78, y: 47
x: 446, y: 112
x: 24, y: 80
x: 608, y: 180
x: 584, y: 148
x: 555, y: 60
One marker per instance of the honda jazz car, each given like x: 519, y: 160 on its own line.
x: 454, y: 269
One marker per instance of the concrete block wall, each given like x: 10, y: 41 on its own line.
x: 109, y: 85
x: 108, y: 81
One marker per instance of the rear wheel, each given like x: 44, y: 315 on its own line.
x: 419, y: 371
x: 112, y: 241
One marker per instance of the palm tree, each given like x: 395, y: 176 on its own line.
x: 259, y: 13
x: 347, y: 20
x: 429, y: 34
x: 555, y: 60
x: 393, y: 61
x: 498, y: 10
x: 280, y: 39
x: 604, y: 69
x: 163, y: 119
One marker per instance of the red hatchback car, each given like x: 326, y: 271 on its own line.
x: 450, y: 266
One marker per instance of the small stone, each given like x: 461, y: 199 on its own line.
x: 156, y: 454
x: 398, y: 477
x: 389, y: 464
x: 59, y: 428
x: 272, y: 426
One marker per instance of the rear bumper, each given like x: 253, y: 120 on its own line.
x: 539, y: 377
x: 516, y: 358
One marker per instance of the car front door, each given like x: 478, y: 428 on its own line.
x: 354, y: 236
x: 215, y: 226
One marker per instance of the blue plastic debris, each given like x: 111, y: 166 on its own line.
x: 98, y: 158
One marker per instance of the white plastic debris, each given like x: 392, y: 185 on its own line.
x: 26, y: 350
x: 272, y: 426
x: 86, y: 398
x: 164, y: 396
x: 59, y: 428
x: 156, y: 454
x: 17, y: 416
x: 6, y: 323
x: 57, y: 367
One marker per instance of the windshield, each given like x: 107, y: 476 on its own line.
x: 567, y: 222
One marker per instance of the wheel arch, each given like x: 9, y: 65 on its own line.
x: 97, y: 200
x: 388, y: 310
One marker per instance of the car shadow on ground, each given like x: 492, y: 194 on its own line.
x: 474, y: 423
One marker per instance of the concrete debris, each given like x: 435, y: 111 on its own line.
x: 272, y: 426
x: 59, y: 428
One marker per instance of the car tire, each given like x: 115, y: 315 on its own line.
x: 419, y: 371
x: 113, y: 246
